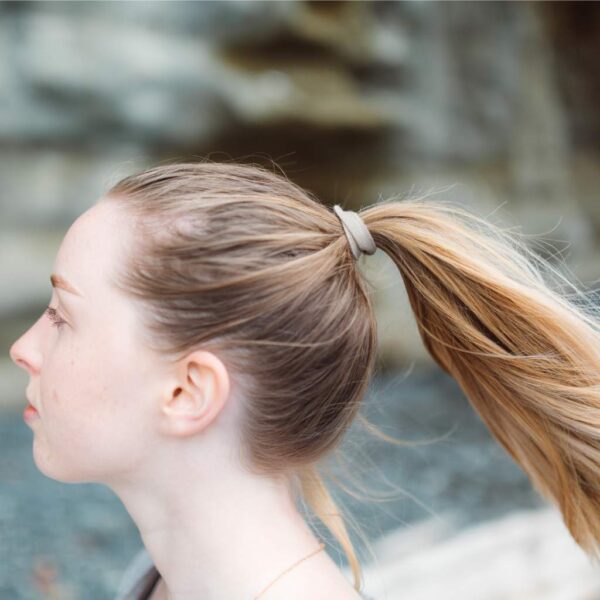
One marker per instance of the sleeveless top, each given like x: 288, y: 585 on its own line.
x: 141, y: 577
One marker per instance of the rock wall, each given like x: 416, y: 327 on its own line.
x: 494, y: 105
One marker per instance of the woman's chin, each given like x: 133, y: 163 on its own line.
x: 45, y: 465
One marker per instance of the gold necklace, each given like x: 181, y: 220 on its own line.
x: 321, y: 546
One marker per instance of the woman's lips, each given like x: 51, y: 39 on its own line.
x: 30, y: 412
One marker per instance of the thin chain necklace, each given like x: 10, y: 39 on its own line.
x: 321, y: 546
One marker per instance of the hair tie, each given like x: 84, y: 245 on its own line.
x: 358, y: 234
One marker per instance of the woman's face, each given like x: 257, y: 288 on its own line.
x: 91, y: 379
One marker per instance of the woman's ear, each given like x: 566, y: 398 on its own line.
x: 196, y: 394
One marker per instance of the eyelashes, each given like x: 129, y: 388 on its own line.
x: 54, y: 317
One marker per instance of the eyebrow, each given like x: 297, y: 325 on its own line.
x: 60, y: 282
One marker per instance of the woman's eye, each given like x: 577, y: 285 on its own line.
x: 54, y: 317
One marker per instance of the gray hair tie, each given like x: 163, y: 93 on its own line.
x: 359, y: 236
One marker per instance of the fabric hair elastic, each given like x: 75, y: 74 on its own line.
x: 358, y: 234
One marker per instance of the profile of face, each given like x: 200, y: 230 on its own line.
x: 98, y: 388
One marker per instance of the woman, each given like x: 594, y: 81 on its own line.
x: 210, y: 338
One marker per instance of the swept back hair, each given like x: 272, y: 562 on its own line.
x: 238, y: 259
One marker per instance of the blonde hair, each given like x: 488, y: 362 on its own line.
x: 240, y: 259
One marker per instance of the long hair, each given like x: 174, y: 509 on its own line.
x: 240, y: 259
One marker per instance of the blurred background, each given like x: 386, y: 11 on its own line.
x: 491, y: 104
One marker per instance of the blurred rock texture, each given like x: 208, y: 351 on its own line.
x: 527, y: 555
x: 494, y: 105
x: 491, y: 104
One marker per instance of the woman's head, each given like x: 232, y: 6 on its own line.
x: 199, y: 282
x: 232, y: 260
x: 222, y: 309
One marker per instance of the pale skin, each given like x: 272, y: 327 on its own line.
x: 163, y: 436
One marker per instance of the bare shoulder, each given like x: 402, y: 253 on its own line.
x: 159, y: 592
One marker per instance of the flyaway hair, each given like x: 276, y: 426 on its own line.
x: 240, y: 260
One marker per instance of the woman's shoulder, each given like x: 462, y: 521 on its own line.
x: 140, y: 575
x: 138, y: 578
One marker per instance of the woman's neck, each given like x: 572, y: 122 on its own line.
x: 228, y: 539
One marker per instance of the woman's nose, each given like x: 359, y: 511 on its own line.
x: 24, y: 356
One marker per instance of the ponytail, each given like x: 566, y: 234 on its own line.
x: 525, y: 352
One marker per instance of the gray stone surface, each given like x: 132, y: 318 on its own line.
x: 527, y: 554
